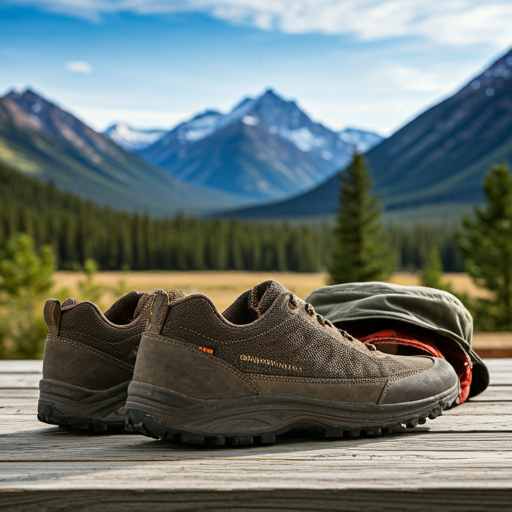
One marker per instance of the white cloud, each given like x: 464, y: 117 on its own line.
x: 454, y: 22
x: 78, y: 66
x: 411, y: 79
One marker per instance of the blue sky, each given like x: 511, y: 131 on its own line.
x: 366, y: 63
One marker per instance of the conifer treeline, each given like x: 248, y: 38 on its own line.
x: 79, y: 229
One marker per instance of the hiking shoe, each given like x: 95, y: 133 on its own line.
x: 267, y: 365
x: 89, y: 359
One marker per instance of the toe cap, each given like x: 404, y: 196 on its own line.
x: 437, y: 379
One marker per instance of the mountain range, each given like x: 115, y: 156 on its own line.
x: 439, y: 158
x: 40, y: 139
x: 268, y: 151
x: 133, y: 139
x: 265, y: 148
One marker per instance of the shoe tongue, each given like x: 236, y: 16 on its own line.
x: 121, y: 312
x: 263, y: 296
x: 140, y: 305
x: 174, y: 294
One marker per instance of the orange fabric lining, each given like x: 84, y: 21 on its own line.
x: 450, y: 352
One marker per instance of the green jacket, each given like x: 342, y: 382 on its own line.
x: 426, y: 308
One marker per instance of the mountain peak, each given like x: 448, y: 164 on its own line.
x: 28, y: 95
x: 30, y: 101
x: 133, y: 139
x: 118, y: 125
x: 283, y: 150
x: 270, y: 95
x: 437, y: 161
x: 206, y: 113
x: 361, y: 140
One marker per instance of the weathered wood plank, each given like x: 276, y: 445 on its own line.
x: 360, y: 471
x: 491, y: 394
x: 297, y: 499
x: 19, y: 393
x: 500, y: 371
x: 479, y: 409
x: 22, y: 411
x: 461, y: 461
x: 501, y: 379
x: 19, y: 380
x: 21, y: 366
x: 40, y: 442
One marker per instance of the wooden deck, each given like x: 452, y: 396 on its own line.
x: 461, y: 461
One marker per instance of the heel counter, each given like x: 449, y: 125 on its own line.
x: 74, y: 363
x: 184, y: 369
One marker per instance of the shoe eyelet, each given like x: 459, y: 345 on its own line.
x: 292, y: 305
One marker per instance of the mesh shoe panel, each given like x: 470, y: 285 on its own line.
x: 85, y: 323
x: 283, y: 341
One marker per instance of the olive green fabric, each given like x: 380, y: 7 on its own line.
x: 425, y: 308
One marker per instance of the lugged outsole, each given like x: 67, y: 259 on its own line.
x: 143, y: 423
x: 47, y: 413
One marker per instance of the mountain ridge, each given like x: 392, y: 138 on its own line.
x: 39, y: 138
x: 130, y: 138
x: 186, y: 150
x: 438, y: 158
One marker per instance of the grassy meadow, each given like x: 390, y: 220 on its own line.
x: 225, y: 286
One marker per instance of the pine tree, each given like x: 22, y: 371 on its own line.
x: 432, y: 275
x: 360, y: 249
x: 486, y: 244
x: 26, y: 276
x: 235, y: 251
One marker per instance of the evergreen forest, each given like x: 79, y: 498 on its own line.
x: 79, y: 230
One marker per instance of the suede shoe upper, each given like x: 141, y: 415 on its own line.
x: 268, y: 332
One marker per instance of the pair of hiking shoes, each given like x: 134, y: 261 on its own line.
x: 172, y: 367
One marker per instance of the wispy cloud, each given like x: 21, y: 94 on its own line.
x: 78, y: 66
x: 410, y: 79
x: 454, y: 22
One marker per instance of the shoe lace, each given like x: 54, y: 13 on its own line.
x: 323, y: 321
x: 310, y: 311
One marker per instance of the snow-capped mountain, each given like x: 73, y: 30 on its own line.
x: 362, y: 140
x: 133, y: 139
x: 281, y: 117
x: 275, y: 149
x: 199, y: 127
x: 439, y: 158
x: 43, y: 140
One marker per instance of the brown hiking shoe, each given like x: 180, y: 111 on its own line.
x: 269, y: 364
x: 89, y: 359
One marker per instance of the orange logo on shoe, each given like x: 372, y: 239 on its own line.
x: 207, y: 350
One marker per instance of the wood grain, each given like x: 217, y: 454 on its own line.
x: 269, y: 500
x: 461, y: 461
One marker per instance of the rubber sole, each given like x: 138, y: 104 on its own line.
x: 72, y: 407
x: 162, y: 414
